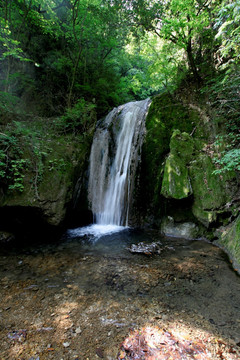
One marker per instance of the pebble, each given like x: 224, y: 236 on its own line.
x: 78, y: 330
x: 66, y: 344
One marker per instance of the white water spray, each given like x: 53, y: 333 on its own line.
x: 114, y: 157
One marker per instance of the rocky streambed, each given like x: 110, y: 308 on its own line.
x: 82, y: 298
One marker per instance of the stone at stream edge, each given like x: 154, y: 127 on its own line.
x: 229, y: 240
x: 186, y: 230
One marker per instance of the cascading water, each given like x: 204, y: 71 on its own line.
x: 114, y: 158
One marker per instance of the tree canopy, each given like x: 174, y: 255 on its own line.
x: 55, y: 52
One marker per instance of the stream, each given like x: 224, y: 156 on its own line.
x: 81, y: 297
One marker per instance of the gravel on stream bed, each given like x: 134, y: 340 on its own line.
x: 82, y: 299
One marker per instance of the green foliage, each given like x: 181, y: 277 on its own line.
x: 77, y: 119
x: 186, y: 24
x: 16, y: 176
x: 227, y: 24
x: 109, y: 52
x: 9, y: 46
x: 223, y: 93
x: 8, y: 103
x: 22, y: 151
x: 12, y: 165
x: 229, y: 161
x: 59, y: 165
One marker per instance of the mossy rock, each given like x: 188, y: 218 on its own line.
x: 50, y: 188
x: 204, y: 216
x: 176, y: 183
x: 166, y: 114
x: 229, y: 240
x: 182, y: 145
x: 210, y: 191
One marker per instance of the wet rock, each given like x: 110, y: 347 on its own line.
x: 147, y: 249
x: 187, y: 230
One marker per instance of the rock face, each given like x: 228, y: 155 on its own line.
x: 229, y: 240
x: 43, y: 205
x: 191, y: 173
x: 176, y: 183
x: 177, y: 179
x: 211, y: 192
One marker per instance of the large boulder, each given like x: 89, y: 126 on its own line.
x: 211, y: 192
x: 190, y: 172
x: 229, y: 240
x: 182, y: 145
x: 176, y: 183
x: 186, y: 230
x: 49, y: 190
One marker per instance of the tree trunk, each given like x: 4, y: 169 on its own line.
x: 69, y: 98
x: 191, y: 61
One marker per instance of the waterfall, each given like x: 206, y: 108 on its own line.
x: 114, y: 157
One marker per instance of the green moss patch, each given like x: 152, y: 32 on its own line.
x: 230, y: 241
x: 176, y: 183
x: 166, y: 114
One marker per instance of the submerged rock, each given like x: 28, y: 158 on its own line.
x: 147, y: 249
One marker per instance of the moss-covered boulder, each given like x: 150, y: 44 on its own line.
x: 182, y: 145
x: 176, y: 183
x: 51, y: 187
x: 210, y: 191
x: 229, y: 240
x: 41, y: 183
x: 167, y: 113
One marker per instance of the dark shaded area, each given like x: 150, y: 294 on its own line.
x: 28, y: 225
